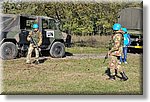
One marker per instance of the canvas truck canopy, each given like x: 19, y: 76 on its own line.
x: 11, y: 25
x: 131, y: 18
x: 9, y: 21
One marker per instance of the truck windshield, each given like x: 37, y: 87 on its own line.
x: 49, y: 24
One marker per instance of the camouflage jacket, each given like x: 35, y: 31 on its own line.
x: 116, y: 49
x: 37, y: 37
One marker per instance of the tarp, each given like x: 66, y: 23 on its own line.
x: 9, y: 25
x: 9, y: 22
x: 131, y: 18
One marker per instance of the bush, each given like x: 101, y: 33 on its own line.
x: 90, y: 41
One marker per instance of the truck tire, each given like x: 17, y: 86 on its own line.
x: 8, y: 51
x: 57, y: 50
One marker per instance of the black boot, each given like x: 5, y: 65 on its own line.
x: 112, y: 77
x: 36, y: 62
x: 107, y: 72
x: 124, y: 77
x: 116, y: 72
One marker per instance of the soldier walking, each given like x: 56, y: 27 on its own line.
x: 114, y: 53
x: 35, y: 35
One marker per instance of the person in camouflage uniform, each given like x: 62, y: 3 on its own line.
x: 37, y: 37
x: 114, y: 53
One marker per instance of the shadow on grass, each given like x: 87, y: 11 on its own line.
x: 68, y: 54
x: 41, y: 60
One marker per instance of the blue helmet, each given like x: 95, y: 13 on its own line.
x: 35, y: 26
x: 116, y: 26
x: 125, y: 30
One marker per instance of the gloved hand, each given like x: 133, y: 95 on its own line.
x: 39, y: 49
x: 29, y: 38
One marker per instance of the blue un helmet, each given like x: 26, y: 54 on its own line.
x: 35, y: 26
x: 125, y: 30
x: 116, y: 26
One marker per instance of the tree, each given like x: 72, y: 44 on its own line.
x: 77, y: 18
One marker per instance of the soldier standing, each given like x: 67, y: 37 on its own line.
x: 126, y: 43
x: 37, y: 37
x: 114, y: 53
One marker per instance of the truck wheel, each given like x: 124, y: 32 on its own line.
x: 8, y: 51
x: 57, y: 50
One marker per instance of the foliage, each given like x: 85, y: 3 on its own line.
x: 76, y: 18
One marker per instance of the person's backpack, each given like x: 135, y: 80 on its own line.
x: 127, y: 39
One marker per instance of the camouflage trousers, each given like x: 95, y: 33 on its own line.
x: 115, y: 65
x: 30, y: 49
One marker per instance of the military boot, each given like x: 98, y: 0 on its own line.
x: 112, y: 77
x: 124, y: 77
x: 28, y: 62
x: 36, y: 62
x: 107, y: 71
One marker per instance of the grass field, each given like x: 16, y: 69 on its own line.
x: 86, y: 50
x: 70, y: 76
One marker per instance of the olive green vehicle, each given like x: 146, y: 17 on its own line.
x: 15, y: 29
x: 136, y: 45
x: 132, y: 19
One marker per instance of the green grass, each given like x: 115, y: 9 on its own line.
x: 70, y: 76
x: 86, y: 50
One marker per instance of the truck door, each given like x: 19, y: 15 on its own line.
x: 25, y: 27
x: 45, y: 39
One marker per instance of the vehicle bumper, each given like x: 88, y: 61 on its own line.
x: 136, y: 47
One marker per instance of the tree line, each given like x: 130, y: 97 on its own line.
x: 76, y: 18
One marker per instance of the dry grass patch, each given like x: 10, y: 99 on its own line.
x: 70, y: 76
